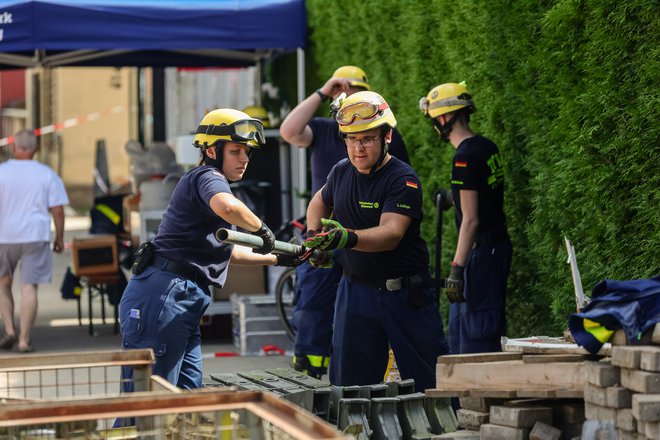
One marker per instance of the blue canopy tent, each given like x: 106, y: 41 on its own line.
x: 153, y: 33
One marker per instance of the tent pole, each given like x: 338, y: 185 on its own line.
x: 300, y: 183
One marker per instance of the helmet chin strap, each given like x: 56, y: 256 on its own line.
x: 384, y: 147
x: 445, y: 130
x: 217, y: 162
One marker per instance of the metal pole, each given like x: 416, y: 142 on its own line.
x: 252, y: 241
x: 300, y: 173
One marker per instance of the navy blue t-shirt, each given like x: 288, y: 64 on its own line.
x: 328, y: 148
x: 187, y: 232
x: 359, y: 200
x: 477, y: 166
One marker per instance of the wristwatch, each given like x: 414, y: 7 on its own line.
x: 322, y: 95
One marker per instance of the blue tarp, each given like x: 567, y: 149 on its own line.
x: 148, y: 32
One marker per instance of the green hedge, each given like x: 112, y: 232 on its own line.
x: 568, y: 90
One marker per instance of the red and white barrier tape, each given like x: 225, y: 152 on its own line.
x: 71, y: 122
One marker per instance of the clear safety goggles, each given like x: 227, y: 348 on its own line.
x: 240, y: 131
x: 361, y: 110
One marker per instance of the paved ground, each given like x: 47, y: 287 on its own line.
x: 57, y: 328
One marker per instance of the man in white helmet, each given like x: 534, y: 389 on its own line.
x: 318, y: 288
x: 371, y: 208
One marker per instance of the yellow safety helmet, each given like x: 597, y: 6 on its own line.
x: 258, y: 112
x: 362, y: 111
x: 226, y: 124
x: 354, y: 75
x: 446, y: 98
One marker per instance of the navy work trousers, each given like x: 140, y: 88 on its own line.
x: 314, y: 312
x: 476, y: 325
x: 368, y: 321
x: 162, y: 311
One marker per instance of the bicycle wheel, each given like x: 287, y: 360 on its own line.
x: 285, y: 293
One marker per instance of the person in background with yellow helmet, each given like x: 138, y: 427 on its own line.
x: 477, y: 283
x: 165, y: 299
x: 258, y: 112
x: 386, y: 296
x: 318, y: 288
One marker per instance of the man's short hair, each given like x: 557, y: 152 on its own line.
x: 25, y: 140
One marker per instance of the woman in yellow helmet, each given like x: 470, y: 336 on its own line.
x: 165, y: 299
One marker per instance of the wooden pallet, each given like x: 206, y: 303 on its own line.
x: 510, y: 375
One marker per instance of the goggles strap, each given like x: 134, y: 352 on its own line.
x: 219, y: 130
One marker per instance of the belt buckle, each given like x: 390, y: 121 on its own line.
x: 394, y: 284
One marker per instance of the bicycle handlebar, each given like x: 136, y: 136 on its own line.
x: 252, y: 241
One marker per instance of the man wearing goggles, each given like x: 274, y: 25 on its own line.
x: 318, y: 288
x: 477, y: 282
x: 173, y: 274
x: 386, y: 297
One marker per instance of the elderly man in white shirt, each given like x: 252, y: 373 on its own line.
x: 30, y: 193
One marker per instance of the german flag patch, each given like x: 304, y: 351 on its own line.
x: 461, y: 164
x: 412, y: 184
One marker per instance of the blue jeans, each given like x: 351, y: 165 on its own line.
x: 161, y: 311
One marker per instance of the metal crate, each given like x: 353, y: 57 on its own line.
x: 255, y: 325
x: 194, y: 415
x: 55, y: 376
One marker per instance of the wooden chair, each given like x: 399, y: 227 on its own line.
x: 99, y: 284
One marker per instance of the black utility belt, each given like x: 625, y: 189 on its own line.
x: 394, y: 284
x: 492, y: 236
x: 183, y: 270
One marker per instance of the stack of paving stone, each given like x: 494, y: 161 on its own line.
x: 383, y: 411
x: 514, y: 395
x: 622, y: 394
x: 534, y: 419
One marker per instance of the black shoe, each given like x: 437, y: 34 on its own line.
x: 7, y: 341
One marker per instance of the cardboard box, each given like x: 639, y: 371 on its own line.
x: 243, y: 280
x: 95, y: 254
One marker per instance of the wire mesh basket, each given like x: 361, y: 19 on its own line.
x: 194, y: 415
x: 63, y: 375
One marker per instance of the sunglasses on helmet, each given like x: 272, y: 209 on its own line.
x: 362, y: 110
x: 239, y: 131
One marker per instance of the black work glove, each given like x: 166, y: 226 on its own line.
x: 323, y: 260
x: 454, y: 284
x: 292, y: 260
x: 268, y: 237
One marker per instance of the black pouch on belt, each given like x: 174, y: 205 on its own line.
x: 143, y: 257
x: 416, y: 297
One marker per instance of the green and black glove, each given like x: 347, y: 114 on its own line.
x: 334, y: 236
x: 268, y: 237
x: 454, y: 285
